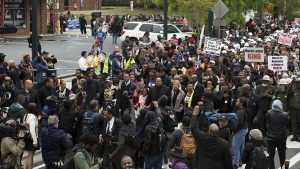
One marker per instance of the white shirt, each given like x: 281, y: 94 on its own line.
x: 32, y: 121
x: 111, y: 123
x: 82, y: 63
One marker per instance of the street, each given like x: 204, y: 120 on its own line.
x: 66, y: 49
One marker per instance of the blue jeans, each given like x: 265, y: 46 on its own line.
x: 153, y: 162
x: 114, y: 37
x: 238, y: 143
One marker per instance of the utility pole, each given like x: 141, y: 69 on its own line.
x: 166, y: 5
x: 34, y: 36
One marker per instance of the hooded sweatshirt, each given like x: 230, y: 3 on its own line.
x: 277, y: 122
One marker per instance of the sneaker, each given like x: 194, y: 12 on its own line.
x: 294, y: 138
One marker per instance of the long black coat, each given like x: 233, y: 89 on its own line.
x: 212, y: 152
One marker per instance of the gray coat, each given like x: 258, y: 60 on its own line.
x: 178, y: 104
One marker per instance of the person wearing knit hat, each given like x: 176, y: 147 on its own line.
x: 255, y: 141
x: 277, y: 122
x: 152, y: 147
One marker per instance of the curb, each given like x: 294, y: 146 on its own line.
x: 66, y: 76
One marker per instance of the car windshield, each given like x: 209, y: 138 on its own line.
x: 183, y: 28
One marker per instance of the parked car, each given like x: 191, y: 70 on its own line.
x: 73, y: 24
x: 135, y: 30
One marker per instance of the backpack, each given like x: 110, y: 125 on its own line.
x: 88, y: 122
x: 162, y: 139
x: 260, y: 158
x: 132, y: 141
x: 169, y: 121
x: 188, y: 144
x: 70, y: 163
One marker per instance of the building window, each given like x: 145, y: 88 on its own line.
x: 14, y: 13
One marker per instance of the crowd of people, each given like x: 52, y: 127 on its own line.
x: 168, y: 104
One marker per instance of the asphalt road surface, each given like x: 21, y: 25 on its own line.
x: 66, y: 48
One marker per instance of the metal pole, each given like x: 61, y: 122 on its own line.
x: 166, y: 19
x: 34, y: 35
x: 219, y: 21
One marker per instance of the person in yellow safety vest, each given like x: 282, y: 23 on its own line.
x: 129, y: 60
x: 105, y: 67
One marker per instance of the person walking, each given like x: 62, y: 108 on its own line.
x: 31, y: 144
x: 82, y: 23
x: 53, y: 141
x: 239, y: 136
x: 115, y: 30
x: 277, y: 128
x: 99, y: 36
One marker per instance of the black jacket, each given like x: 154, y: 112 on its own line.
x: 33, y: 98
x: 150, y: 146
x: 156, y: 93
x: 212, y: 152
x: 277, y: 122
x: 254, y: 109
x: 242, y: 122
x: 44, y: 92
x: 91, y: 89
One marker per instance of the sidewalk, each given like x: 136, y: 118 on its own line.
x: 11, y: 37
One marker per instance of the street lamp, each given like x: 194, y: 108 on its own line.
x: 34, y: 4
x: 166, y: 5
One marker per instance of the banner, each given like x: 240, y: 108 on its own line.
x: 254, y: 55
x: 278, y: 63
x: 212, y: 45
x: 285, y: 39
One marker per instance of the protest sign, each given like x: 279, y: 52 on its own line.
x: 254, y: 55
x: 212, y: 45
x: 278, y: 63
x: 285, y: 39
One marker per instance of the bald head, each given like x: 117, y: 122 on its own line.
x: 28, y: 84
x: 213, y: 129
x: 126, y: 162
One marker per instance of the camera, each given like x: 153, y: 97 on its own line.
x: 10, y: 130
x: 80, y: 94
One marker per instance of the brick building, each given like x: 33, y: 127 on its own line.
x: 17, y: 13
x: 83, y: 4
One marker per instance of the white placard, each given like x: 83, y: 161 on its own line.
x: 212, y: 45
x: 254, y: 55
x: 278, y: 63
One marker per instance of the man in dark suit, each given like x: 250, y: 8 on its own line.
x: 31, y: 95
x: 198, y: 87
x: 92, y: 88
x: 212, y: 151
x: 157, y: 91
x: 109, y: 136
x: 77, y: 78
x: 127, y: 87
x: 45, y: 91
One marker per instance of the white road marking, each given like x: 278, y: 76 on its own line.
x: 70, y: 61
x: 40, y: 166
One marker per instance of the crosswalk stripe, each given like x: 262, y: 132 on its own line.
x: 40, y: 166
